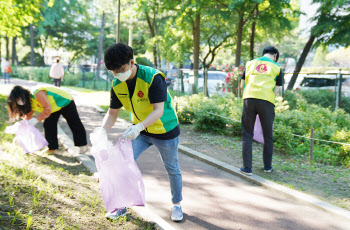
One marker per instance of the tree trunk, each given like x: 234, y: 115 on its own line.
x: 205, y: 80
x: 32, y: 63
x: 252, y: 35
x: 100, y: 43
x: 7, y: 49
x: 300, y: 62
x: 151, y: 29
x: 239, y: 41
x: 14, y: 52
x: 181, y: 78
x: 196, y: 40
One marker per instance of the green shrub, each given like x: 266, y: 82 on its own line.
x: 144, y: 61
x: 206, y: 118
x: 71, y: 78
x: 292, y: 125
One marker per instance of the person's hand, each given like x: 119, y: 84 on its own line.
x: 33, y: 121
x: 133, y: 131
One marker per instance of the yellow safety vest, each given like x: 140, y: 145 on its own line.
x: 58, y: 98
x: 140, y: 107
x: 260, y: 79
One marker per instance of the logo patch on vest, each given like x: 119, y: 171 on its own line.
x: 261, y: 68
x: 140, y: 94
x: 37, y: 105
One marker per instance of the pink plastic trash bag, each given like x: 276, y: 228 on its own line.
x: 258, y: 133
x: 120, y: 179
x: 27, y: 136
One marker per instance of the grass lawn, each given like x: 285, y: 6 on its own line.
x: 41, y: 191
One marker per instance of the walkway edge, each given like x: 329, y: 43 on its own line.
x: 307, y: 199
x: 142, y: 212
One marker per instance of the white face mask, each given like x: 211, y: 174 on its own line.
x: 124, y: 75
x: 20, y: 102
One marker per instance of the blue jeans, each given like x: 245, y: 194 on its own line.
x: 168, y: 152
x: 6, y: 76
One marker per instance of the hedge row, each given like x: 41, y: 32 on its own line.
x: 298, y: 118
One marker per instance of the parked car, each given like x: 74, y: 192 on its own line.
x: 287, y: 78
x: 324, y: 81
x: 216, y: 79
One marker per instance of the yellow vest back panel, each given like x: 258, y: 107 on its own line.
x: 58, y: 98
x: 260, y: 79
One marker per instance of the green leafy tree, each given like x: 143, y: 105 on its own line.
x: 320, y: 56
x: 332, y: 27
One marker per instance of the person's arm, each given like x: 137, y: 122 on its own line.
x: 29, y: 115
x: 41, y: 96
x: 110, y: 118
x: 242, y: 80
x: 158, y: 109
x: 279, y: 81
x: 242, y: 84
x: 62, y: 71
x: 51, y: 71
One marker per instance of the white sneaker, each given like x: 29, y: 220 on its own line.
x: 116, y: 214
x: 176, y: 214
x: 84, y: 149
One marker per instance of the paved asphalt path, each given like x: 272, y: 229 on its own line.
x: 214, y: 199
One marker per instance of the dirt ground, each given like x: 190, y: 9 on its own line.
x: 53, y: 192
x: 328, y: 183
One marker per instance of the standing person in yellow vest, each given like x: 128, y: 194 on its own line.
x: 50, y: 102
x: 260, y: 80
x: 142, y: 90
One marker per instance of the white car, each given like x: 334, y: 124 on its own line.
x: 325, y: 81
x: 216, y: 79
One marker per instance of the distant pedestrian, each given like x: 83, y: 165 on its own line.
x: 57, y: 72
x: 142, y: 90
x: 6, y: 70
x: 51, y: 103
x: 260, y: 80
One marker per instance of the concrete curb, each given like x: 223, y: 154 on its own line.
x: 147, y: 214
x: 307, y: 199
x: 142, y: 212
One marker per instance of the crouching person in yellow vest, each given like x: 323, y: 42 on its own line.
x: 50, y: 103
x: 143, y: 92
x: 260, y: 80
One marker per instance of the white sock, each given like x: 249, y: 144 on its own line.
x: 177, y: 205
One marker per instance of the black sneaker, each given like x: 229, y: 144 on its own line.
x: 246, y: 170
x: 267, y: 169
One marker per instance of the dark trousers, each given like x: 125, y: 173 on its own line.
x: 266, y: 112
x: 57, y: 82
x: 71, y: 115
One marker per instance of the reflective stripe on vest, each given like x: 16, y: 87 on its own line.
x: 58, y: 98
x: 140, y: 107
x: 260, y: 79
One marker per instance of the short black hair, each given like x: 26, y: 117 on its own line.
x: 14, y: 109
x: 271, y: 50
x: 117, y: 56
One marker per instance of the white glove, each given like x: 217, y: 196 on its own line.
x: 33, y: 121
x: 133, y: 131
